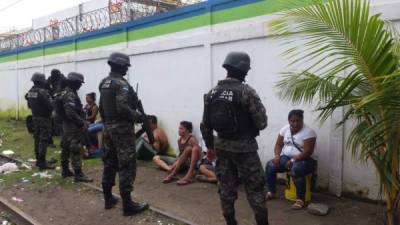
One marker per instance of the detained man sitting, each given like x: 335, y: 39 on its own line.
x: 145, y: 150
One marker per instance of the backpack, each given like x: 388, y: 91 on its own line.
x: 223, y: 112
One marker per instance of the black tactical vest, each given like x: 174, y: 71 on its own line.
x: 108, y: 88
x: 36, y: 103
x: 227, y: 115
x: 107, y: 100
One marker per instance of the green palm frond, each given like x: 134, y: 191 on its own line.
x: 341, y: 56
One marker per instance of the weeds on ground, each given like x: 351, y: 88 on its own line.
x: 6, y: 218
x: 15, y: 137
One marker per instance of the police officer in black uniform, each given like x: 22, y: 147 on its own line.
x: 39, y: 101
x: 118, y: 110
x: 74, y: 125
x: 235, y: 111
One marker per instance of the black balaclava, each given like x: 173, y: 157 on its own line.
x: 74, y: 85
x: 122, y: 70
x: 235, y: 73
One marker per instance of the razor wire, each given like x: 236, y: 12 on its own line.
x: 87, y: 22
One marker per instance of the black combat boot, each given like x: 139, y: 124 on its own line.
x: 65, y: 172
x: 262, y: 219
x: 230, y: 219
x: 109, y: 200
x: 81, y: 177
x: 43, y: 164
x: 130, y: 207
x: 46, y: 166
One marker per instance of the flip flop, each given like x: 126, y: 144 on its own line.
x: 184, y: 182
x: 169, y: 180
x: 298, y: 204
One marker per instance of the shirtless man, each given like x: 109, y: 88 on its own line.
x: 160, y: 146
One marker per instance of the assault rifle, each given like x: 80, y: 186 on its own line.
x: 144, y: 121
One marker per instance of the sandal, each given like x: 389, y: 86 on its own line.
x: 168, y: 180
x: 298, y: 204
x: 270, y: 195
x: 184, y: 182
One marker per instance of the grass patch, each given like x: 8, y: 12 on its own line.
x: 16, y: 137
x: 95, y: 162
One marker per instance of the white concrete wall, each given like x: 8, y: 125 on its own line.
x: 174, y: 71
x: 8, y: 93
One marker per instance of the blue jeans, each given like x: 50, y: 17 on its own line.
x: 298, y: 171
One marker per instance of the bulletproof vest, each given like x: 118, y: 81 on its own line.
x: 108, y: 88
x: 227, y: 115
x: 35, y: 101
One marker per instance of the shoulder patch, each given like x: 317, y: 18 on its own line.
x: 125, y: 88
x: 32, y: 95
x: 106, y: 84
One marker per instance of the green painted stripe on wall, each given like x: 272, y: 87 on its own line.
x: 162, y: 29
x: 253, y: 10
x: 59, y: 49
x: 9, y: 58
x: 108, y: 40
x: 30, y: 54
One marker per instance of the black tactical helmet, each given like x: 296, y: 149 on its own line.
x: 74, y: 76
x: 55, y: 73
x: 38, y: 77
x: 238, y: 60
x: 119, y: 59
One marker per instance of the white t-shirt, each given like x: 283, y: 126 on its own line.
x: 288, y: 148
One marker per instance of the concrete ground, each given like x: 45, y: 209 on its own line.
x: 199, y: 202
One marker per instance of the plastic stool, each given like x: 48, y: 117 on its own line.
x: 290, y: 191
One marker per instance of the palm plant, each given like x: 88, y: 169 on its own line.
x: 352, y: 63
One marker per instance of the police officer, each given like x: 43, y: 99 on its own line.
x: 73, y: 126
x: 234, y: 110
x: 56, y: 82
x: 39, y: 101
x: 55, y: 85
x: 118, y: 110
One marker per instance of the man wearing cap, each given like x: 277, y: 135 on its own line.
x: 73, y: 126
x: 235, y: 112
x: 118, y: 110
x: 39, y: 101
